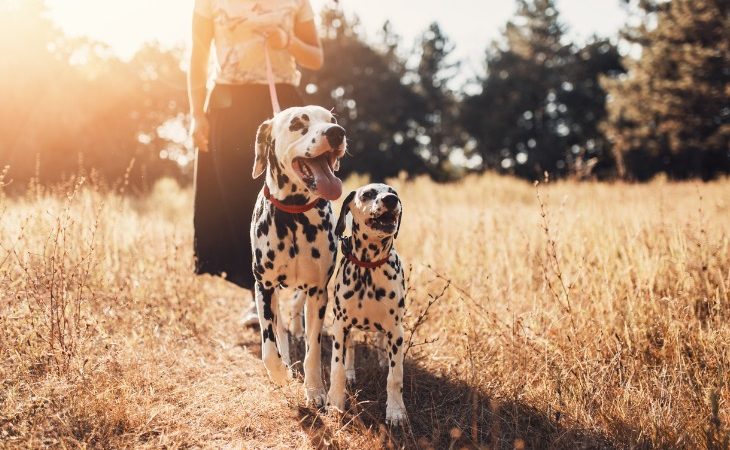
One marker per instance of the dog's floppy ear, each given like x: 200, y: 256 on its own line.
x: 262, y: 148
x: 340, y: 228
x: 400, y: 216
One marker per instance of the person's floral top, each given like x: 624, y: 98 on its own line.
x: 240, y: 49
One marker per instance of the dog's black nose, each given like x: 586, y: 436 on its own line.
x: 335, y: 135
x: 390, y: 201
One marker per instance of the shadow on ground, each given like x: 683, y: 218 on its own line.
x: 443, y: 413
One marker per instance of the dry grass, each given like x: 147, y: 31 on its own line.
x: 576, y: 316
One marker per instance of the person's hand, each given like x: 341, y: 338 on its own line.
x: 201, y: 132
x: 276, y: 37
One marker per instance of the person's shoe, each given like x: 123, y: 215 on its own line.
x: 251, y: 318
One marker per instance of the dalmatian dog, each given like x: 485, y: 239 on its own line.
x: 369, y: 293
x: 292, y: 232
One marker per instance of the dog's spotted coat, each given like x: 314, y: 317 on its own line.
x: 295, y: 250
x: 371, y: 299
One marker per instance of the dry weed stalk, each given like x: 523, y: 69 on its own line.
x: 421, y: 319
x: 552, y: 253
x: 56, y: 287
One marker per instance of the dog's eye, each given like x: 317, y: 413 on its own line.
x: 333, y: 120
x: 369, y: 195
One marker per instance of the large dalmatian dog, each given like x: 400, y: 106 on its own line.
x: 292, y: 232
x: 370, y: 293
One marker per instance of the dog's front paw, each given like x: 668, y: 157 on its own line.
x: 335, y: 403
x: 395, y: 416
x: 315, y: 395
x: 279, y: 373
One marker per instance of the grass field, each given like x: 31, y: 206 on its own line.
x: 563, y: 316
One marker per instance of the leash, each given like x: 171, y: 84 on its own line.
x: 276, y: 108
x: 270, y: 80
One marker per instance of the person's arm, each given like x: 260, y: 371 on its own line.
x: 303, y: 43
x: 305, y: 46
x: 198, y: 78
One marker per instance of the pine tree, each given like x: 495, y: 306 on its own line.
x: 365, y: 85
x: 541, y: 102
x: 671, y: 112
x: 517, y: 118
x: 585, y: 100
x: 434, y: 72
x: 69, y: 106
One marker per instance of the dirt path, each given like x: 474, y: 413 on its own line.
x: 218, y: 395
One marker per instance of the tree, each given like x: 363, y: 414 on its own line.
x: 671, y: 112
x: 585, y: 107
x: 517, y: 118
x: 441, y: 125
x: 541, y: 103
x: 70, y: 106
x: 32, y: 84
x: 367, y: 88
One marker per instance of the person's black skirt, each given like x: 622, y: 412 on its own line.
x: 225, y: 192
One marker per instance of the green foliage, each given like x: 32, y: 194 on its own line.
x: 70, y: 106
x: 671, y: 112
x: 541, y: 103
x: 381, y: 112
x: 434, y: 73
x: 585, y: 100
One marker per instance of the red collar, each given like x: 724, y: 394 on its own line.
x: 367, y: 264
x: 291, y: 209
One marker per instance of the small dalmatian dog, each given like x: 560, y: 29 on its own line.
x: 292, y: 232
x: 370, y: 293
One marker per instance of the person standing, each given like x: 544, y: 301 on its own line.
x: 224, y: 127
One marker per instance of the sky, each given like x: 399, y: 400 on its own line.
x: 126, y: 24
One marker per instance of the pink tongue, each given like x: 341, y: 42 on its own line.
x: 328, y: 185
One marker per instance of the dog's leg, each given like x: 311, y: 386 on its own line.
x: 297, y: 316
x: 395, y: 409
x: 282, y: 337
x: 382, y: 350
x: 268, y: 311
x: 350, y: 360
x: 315, y: 308
x: 336, y: 394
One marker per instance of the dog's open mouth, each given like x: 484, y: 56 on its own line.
x: 385, y: 222
x: 319, y: 175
